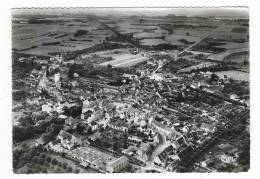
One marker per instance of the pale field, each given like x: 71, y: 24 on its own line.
x: 233, y: 45
x: 236, y: 75
x: 223, y: 55
x: 122, y: 59
x: 174, y: 39
x: 146, y: 35
x: 198, y: 66
x: 150, y: 42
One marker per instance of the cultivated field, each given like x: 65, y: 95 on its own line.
x: 25, y: 36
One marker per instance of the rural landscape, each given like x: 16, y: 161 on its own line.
x: 130, y: 90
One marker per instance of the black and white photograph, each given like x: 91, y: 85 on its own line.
x: 130, y: 90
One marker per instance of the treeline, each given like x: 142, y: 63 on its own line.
x: 208, y: 48
x: 79, y: 33
x: 175, y: 65
x: 85, y: 40
x: 60, y: 36
x: 93, y: 72
x: 186, y: 41
x: 161, y: 47
x: 215, y: 68
x: 50, y: 43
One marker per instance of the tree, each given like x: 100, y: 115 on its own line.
x: 187, y: 34
x: 64, y: 165
x: 69, y: 169
x: 48, y: 159
x: 163, y: 37
x: 54, y: 161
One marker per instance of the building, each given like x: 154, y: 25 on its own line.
x: 118, y: 124
x: 57, y: 77
x: 117, y: 165
x: 67, y: 140
x: 163, y: 129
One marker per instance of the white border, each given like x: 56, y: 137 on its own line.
x: 5, y: 80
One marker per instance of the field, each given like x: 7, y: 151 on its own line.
x: 236, y: 75
x: 227, y: 32
x: 28, y: 35
x: 120, y: 57
x: 151, y: 42
x: 223, y: 55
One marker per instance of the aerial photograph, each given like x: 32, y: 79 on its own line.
x: 130, y: 90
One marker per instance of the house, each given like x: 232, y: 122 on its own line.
x: 156, y: 76
x: 71, y: 121
x: 67, y: 140
x: 118, y: 124
x: 206, y: 162
x: 163, y: 129
x: 161, y: 159
x: 129, y: 151
x: 234, y: 97
x: 55, y: 146
x: 207, y: 127
x: 117, y: 165
x: 94, y: 126
x: 144, y: 151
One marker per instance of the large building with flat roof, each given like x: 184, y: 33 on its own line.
x: 117, y: 165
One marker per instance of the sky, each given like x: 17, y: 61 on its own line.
x: 240, y: 12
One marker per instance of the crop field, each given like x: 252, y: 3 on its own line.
x: 227, y: 32
x: 25, y: 36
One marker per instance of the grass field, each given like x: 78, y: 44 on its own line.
x: 236, y: 75
x: 150, y: 42
x: 223, y: 55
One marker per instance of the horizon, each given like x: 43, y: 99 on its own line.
x: 241, y: 12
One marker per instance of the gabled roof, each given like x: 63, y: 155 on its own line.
x: 65, y: 135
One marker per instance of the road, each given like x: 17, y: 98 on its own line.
x: 161, y: 146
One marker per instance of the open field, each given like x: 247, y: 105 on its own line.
x: 150, y: 42
x: 236, y: 75
x: 25, y: 36
x: 226, y: 32
x: 201, y: 65
x: 223, y: 55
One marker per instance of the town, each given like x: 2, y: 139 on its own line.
x: 122, y: 106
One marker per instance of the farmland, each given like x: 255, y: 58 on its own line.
x: 236, y: 75
x: 29, y: 35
